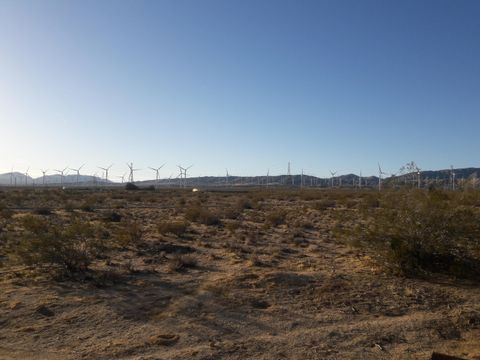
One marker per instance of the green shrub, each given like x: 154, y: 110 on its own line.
x: 71, y: 247
x: 420, y: 232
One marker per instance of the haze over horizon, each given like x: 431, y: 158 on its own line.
x: 244, y: 85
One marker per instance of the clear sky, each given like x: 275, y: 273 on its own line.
x: 240, y: 84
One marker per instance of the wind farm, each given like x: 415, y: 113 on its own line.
x: 264, y: 179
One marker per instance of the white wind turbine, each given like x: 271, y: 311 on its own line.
x: 157, y: 171
x: 132, y: 170
x: 26, y: 176
x: 122, y: 177
x: 62, y: 174
x: 78, y: 173
x: 453, y: 177
x: 183, y: 175
x: 106, y: 172
x: 44, y: 172
x: 380, y: 173
x: 226, y: 177
x: 418, y: 170
x: 333, y: 173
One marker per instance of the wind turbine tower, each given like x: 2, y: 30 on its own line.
x: 62, y: 174
x: 157, y: 171
x: 132, y: 170
x: 380, y: 173
x: 44, y: 172
x: 26, y: 176
x: 453, y: 177
x: 183, y: 175
x: 106, y: 172
x: 122, y: 177
x: 333, y: 173
x: 77, y: 181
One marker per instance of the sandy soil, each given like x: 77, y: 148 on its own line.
x: 255, y: 292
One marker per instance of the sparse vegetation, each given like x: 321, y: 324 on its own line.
x: 71, y: 248
x: 177, y: 228
x: 161, y: 255
x: 276, y: 217
x: 418, y: 232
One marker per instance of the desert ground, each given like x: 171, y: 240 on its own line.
x: 224, y: 274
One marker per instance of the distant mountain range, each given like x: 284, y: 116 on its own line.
x: 20, y: 179
x: 428, y: 177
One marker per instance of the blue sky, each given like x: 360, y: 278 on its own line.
x: 245, y: 85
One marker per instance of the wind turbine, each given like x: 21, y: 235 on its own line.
x: 226, y: 177
x: 418, y: 170
x: 122, y: 177
x: 78, y: 173
x: 360, y: 180
x: 11, y: 177
x: 61, y: 172
x: 44, y: 172
x: 157, y: 170
x: 333, y: 173
x: 106, y: 172
x: 183, y: 175
x: 268, y: 174
x: 26, y: 176
x: 453, y: 177
x: 132, y: 170
x: 380, y: 173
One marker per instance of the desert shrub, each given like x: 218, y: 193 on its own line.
x: 204, y: 216
x: 276, y: 217
x: 304, y: 224
x: 130, y: 234
x: 422, y: 232
x: 369, y: 202
x: 232, y: 226
x: 181, y: 262
x: 309, y: 195
x: 70, y: 248
x: 244, y: 203
x: 177, y: 228
x: 43, y: 211
x: 131, y: 186
x: 324, y: 204
x: 88, y: 206
x: 232, y: 213
x: 112, y: 216
x: 69, y: 206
